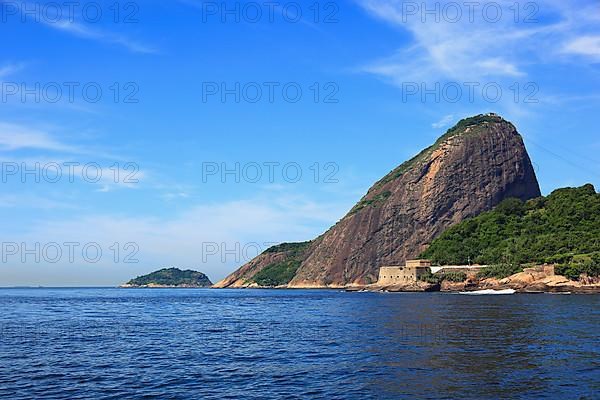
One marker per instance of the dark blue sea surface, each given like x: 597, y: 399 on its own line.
x: 296, y: 344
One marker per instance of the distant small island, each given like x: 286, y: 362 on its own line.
x: 170, y: 278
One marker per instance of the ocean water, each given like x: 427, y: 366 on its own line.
x: 296, y: 344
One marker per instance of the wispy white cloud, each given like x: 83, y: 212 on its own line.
x: 498, y: 66
x: 445, y: 121
x: 32, y: 202
x: 54, y: 17
x: 17, y: 137
x: 112, y: 174
x: 584, y: 45
x: 9, y: 69
x: 18, y: 92
x: 84, y: 31
x: 472, y: 50
x: 175, y: 195
x: 444, y: 50
x: 239, y: 229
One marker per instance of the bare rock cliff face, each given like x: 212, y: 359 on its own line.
x: 469, y: 170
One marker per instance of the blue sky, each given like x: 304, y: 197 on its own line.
x: 379, y: 80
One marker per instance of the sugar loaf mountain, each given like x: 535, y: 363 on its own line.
x: 474, y: 167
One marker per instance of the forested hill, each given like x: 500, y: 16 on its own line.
x: 172, y: 277
x: 563, y: 228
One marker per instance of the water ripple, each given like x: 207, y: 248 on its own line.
x: 255, y: 344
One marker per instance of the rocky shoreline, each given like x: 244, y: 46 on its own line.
x: 155, y: 286
x: 539, y: 279
x: 531, y: 280
x: 554, y: 284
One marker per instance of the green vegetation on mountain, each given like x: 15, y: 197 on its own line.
x: 172, y: 277
x: 277, y: 273
x: 450, y: 276
x: 377, y: 199
x: 281, y: 273
x: 476, y: 123
x: 293, y: 247
x: 463, y: 124
x: 588, y: 264
x: 562, y: 228
x: 499, y: 271
x: 483, y: 162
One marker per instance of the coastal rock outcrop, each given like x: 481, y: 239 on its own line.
x: 170, y: 277
x: 470, y: 169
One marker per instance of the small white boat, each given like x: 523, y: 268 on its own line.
x: 489, y: 291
